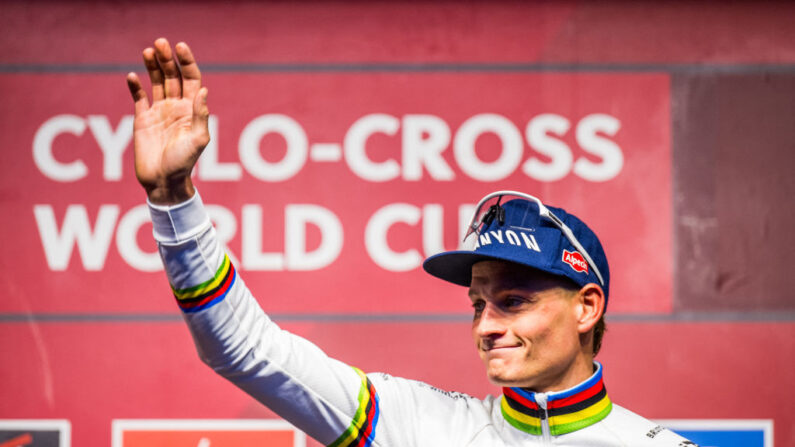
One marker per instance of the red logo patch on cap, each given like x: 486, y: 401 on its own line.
x: 576, y: 261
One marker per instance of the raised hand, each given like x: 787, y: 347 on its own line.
x: 171, y: 133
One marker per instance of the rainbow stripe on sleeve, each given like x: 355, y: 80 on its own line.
x: 208, y: 293
x: 361, y: 432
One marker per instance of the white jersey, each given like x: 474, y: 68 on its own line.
x: 340, y: 406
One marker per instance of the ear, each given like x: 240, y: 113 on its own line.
x: 590, y: 306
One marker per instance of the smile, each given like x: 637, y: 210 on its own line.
x: 498, y: 349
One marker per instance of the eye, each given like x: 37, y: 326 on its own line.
x: 513, y: 302
x: 478, y: 307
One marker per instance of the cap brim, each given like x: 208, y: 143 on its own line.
x: 456, y: 266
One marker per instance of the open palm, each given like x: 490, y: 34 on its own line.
x: 171, y: 133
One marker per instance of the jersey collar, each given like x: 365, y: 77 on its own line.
x: 562, y: 411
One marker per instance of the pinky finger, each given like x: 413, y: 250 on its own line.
x: 138, y: 93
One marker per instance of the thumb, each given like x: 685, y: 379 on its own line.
x: 201, y: 115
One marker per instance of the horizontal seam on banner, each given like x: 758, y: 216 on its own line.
x: 408, y: 67
x: 717, y: 317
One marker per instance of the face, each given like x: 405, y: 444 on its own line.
x: 525, y: 327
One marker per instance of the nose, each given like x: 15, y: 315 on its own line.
x: 490, y: 323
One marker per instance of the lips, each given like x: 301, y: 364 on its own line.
x: 499, y: 349
x: 502, y: 347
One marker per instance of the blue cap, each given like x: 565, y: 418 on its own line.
x: 525, y: 237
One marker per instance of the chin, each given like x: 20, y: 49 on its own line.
x: 507, y: 378
x: 499, y: 381
x: 511, y: 383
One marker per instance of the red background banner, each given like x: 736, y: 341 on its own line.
x: 578, y: 141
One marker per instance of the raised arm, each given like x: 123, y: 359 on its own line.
x: 331, y: 401
x: 171, y: 132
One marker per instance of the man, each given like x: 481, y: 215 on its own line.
x: 537, y: 277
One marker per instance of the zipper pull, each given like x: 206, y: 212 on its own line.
x: 541, y: 400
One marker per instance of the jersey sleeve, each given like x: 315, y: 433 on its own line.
x: 329, y: 400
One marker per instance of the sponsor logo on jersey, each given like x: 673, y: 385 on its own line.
x: 654, y: 431
x: 576, y: 261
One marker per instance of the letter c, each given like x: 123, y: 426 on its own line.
x: 42, y: 148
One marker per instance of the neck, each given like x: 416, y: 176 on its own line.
x: 581, y: 368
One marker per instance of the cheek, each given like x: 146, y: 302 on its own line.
x: 563, y: 333
x: 531, y: 328
x: 548, y: 325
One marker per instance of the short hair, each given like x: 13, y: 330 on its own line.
x: 599, y: 332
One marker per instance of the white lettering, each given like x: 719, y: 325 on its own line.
x: 464, y: 147
x: 512, y: 237
x: 433, y: 225
x: 331, y: 236
x: 112, y: 143
x: 530, y: 242
x: 127, y: 243
x: 484, y: 239
x: 537, y: 134
x: 432, y: 229
x: 253, y: 256
x: 590, y: 141
x: 92, y: 245
x: 375, y: 236
x: 42, y: 148
x: 574, y: 260
x: 296, y: 152
x: 497, y: 235
x: 425, y: 137
x: 355, y: 151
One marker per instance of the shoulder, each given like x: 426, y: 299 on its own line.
x: 437, y: 416
x: 635, y: 430
x: 422, y: 393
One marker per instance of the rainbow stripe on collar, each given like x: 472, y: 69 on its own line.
x: 567, y: 411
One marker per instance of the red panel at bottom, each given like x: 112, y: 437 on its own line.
x: 217, y: 439
x: 92, y: 373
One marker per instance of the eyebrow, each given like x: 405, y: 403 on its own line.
x: 501, y: 286
x: 505, y: 283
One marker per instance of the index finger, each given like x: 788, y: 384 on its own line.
x: 155, y: 74
x: 191, y: 76
x: 138, y: 93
